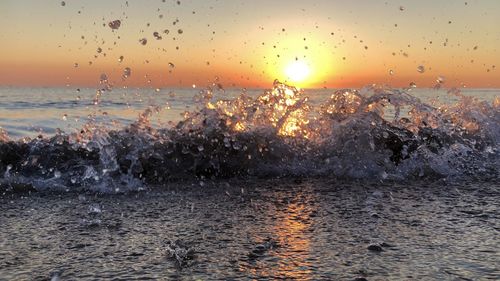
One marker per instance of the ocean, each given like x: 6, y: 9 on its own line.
x: 208, y: 183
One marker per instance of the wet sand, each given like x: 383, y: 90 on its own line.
x: 255, y: 229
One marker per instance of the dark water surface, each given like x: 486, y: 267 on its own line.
x: 255, y: 229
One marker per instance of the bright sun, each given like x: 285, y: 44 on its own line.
x: 297, y: 71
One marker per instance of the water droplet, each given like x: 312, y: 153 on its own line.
x: 200, y: 148
x: 440, y: 79
x: 391, y: 72
x: 171, y: 65
x: 127, y: 72
x: 227, y: 142
x: 157, y: 35
x: 157, y: 90
x: 166, y: 31
x: 103, y: 78
x: 180, y: 31
x: 75, y: 65
x: 115, y: 24
x: 99, y: 50
x: 413, y: 85
x: 401, y: 8
x: 63, y: 3
x: 65, y: 117
x: 143, y: 41
x: 120, y: 59
x: 57, y: 174
x: 421, y: 69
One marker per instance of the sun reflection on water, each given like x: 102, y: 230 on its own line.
x: 290, y: 227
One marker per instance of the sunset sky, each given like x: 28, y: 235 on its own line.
x: 250, y: 43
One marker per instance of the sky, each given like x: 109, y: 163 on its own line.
x: 238, y: 43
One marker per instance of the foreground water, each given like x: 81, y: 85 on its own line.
x: 312, y: 229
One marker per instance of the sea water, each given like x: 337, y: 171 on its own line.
x: 28, y: 112
x: 212, y: 183
x: 128, y: 139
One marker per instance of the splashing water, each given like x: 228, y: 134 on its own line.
x: 375, y: 133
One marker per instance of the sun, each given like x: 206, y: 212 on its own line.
x: 297, y: 71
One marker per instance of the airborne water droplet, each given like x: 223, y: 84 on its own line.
x: 120, y: 59
x: 143, y: 41
x: 63, y: 3
x: 413, y: 85
x: 127, y: 72
x: 103, y: 78
x: 180, y: 31
x: 65, y: 117
x: 157, y: 35
x: 421, y: 69
x: 171, y: 65
x: 75, y: 65
x: 440, y: 79
x: 391, y: 72
x: 115, y: 24
x: 401, y: 8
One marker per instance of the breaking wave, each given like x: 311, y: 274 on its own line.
x: 376, y: 133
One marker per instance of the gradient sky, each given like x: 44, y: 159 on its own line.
x: 250, y: 43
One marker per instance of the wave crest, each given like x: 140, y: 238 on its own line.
x: 376, y: 133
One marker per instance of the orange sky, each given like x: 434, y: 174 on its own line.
x: 249, y: 44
